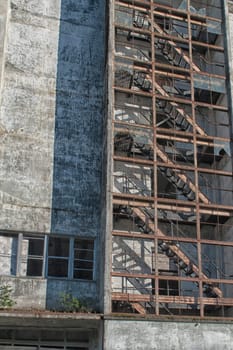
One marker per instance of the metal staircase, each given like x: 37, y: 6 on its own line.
x: 177, y: 118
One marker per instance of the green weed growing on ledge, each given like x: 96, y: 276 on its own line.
x: 69, y: 303
x: 6, y: 300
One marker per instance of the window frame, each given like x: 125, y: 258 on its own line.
x: 23, y: 258
x: 71, y: 259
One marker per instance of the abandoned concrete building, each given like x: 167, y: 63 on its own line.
x: 116, y: 187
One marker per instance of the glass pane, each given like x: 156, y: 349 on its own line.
x: 84, y: 244
x: 36, y: 246
x: 34, y: 267
x: 58, y: 247
x: 57, y: 267
x: 83, y: 254
x: 82, y: 264
x: 83, y: 274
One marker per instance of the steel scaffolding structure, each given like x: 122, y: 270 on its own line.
x: 172, y: 189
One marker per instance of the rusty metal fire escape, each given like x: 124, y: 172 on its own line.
x: 178, y: 119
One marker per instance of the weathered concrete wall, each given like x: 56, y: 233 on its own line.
x: 27, y: 115
x: 157, y: 335
x: 77, y: 190
x: 51, y: 119
x: 53, y: 69
x: 84, y: 291
x: 27, y: 293
x: 79, y: 118
x: 4, y: 15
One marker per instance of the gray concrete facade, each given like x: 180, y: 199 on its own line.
x: 158, y: 335
x: 52, y: 62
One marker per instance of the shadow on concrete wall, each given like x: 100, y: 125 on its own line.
x: 79, y: 120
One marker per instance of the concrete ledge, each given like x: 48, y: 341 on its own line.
x: 47, y: 319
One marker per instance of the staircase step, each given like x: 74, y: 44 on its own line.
x: 139, y: 308
x: 175, y: 249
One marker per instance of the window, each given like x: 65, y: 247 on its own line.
x: 58, y: 257
x: 67, y: 257
x: 71, y: 258
x: 35, y: 255
x: 83, y: 259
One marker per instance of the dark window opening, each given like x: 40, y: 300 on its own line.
x: 35, y: 254
x: 58, y: 257
x: 83, y: 259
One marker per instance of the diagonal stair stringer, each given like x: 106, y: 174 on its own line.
x: 176, y: 250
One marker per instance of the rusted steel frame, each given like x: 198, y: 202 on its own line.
x: 168, y: 134
x: 139, y: 126
x: 130, y: 3
x: 135, y: 129
x: 168, y: 37
x: 152, y: 276
x: 136, y: 235
x: 188, y: 140
x: 185, y: 12
x: 181, y: 15
x: 180, y: 110
x: 217, y: 206
x: 134, y: 160
x: 132, y: 234
x: 213, y: 206
x: 172, y: 278
x: 226, y: 210
x: 208, y: 46
x: 172, y: 75
x: 196, y: 178
x: 154, y: 111
x: 132, y: 275
x: 169, y: 164
x: 144, y: 67
x: 187, y: 77
x: 132, y: 60
x: 132, y: 29
x: 173, y: 99
x: 133, y: 203
x: 183, y: 137
x: 176, y: 106
x: 133, y: 196
x: 170, y: 98
x: 193, y: 240
x: 135, y: 92
x: 188, y: 135
x: 215, y: 172
x: 196, y: 103
x: 139, y: 308
x: 148, y: 70
x: 218, y: 243
x: 183, y: 177
x: 196, y: 269
x: 176, y: 48
x: 171, y: 67
x: 186, y: 41
x: 186, y: 207
x: 211, y: 106
x: 171, y: 299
